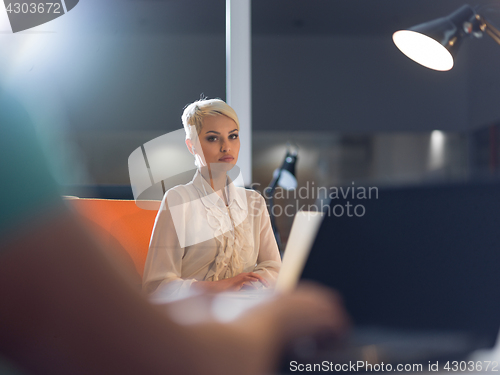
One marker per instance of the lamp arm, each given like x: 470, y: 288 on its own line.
x: 488, y: 28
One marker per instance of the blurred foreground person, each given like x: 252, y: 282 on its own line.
x: 66, y: 310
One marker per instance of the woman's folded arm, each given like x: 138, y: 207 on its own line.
x: 163, y: 268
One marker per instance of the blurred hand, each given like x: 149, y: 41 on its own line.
x: 310, y: 310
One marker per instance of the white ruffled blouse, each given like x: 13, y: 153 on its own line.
x: 197, y: 237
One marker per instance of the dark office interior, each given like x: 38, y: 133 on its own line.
x: 326, y: 78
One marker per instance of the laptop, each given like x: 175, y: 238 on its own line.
x: 302, y: 235
x: 418, y: 274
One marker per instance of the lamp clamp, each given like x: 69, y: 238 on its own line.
x: 474, y: 27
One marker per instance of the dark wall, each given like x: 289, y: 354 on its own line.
x: 114, y: 75
x: 320, y: 65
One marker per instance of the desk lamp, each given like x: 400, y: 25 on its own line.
x: 284, y: 177
x: 434, y: 44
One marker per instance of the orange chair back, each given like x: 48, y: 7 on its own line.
x: 121, y: 228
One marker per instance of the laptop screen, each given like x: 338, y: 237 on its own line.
x: 304, y: 229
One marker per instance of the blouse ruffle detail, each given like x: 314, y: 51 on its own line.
x: 231, y: 245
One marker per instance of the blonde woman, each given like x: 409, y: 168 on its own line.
x: 209, y: 231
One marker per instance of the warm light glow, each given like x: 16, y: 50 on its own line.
x: 437, y: 149
x: 423, y: 49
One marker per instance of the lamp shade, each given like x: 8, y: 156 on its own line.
x: 434, y: 44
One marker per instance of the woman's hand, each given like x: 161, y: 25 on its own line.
x: 233, y: 283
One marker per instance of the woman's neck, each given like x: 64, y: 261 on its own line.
x: 217, y: 180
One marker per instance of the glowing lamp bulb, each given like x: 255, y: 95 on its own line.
x: 423, y: 50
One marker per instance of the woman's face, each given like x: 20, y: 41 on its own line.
x: 219, y: 141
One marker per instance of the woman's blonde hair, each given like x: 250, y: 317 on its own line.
x: 195, y: 112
